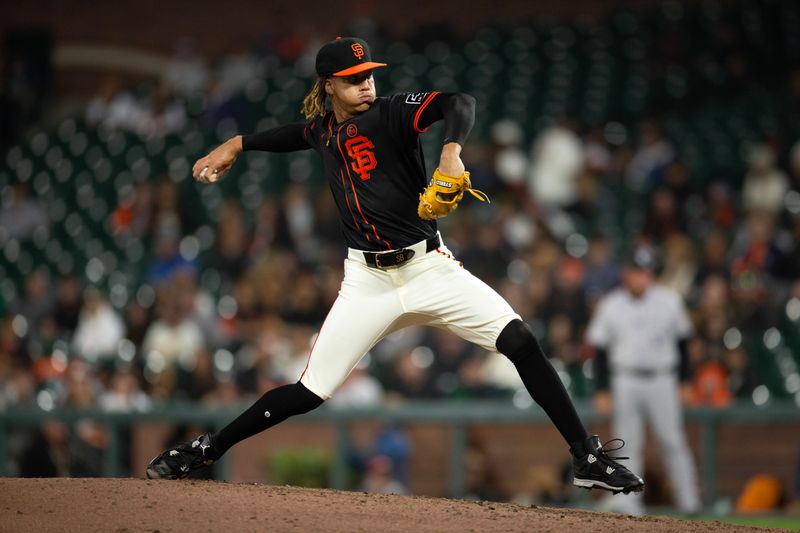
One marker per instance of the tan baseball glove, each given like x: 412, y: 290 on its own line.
x: 443, y: 194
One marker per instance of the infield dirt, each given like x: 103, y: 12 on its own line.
x: 137, y: 505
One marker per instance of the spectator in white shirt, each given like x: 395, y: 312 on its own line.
x: 99, y: 329
x: 764, y: 185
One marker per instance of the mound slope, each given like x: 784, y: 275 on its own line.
x: 137, y: 505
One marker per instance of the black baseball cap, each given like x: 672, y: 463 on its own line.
x: 644, y: 257
x: 345, y: 56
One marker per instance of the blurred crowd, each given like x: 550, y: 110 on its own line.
x: 733, y: 255
x: 192, y: 87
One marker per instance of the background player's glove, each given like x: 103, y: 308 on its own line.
x: 443, y: 193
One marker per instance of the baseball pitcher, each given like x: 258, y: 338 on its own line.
x: 398, y: 272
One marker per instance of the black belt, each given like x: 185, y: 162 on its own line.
x: 647, y: 373
x: 396, y: 258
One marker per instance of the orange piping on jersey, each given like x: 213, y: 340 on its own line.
x: 420, y: 110
x: 330, y: 130
x: 355, y: 195
x: 308, y: 130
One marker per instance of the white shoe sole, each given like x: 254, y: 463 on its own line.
x: 591, y: 483
x: 152, y: 474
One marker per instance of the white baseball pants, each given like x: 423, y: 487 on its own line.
x: 429, y: 289
x: 636, y: 400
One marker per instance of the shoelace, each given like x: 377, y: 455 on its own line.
x: 605, y: 451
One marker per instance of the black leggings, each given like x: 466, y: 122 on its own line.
x: 272, y: 408
x: 519, y: 344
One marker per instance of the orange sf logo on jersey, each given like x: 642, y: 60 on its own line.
x: 360, y: 149
x: 358, y: 50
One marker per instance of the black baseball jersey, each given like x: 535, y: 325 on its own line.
x: 376, y: 170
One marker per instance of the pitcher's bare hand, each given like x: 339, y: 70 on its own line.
x: 211, y: 168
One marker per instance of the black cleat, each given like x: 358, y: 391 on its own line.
x: 594, y: 468
x: 177, y: 462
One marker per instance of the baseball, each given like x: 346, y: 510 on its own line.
x: 203, y: 177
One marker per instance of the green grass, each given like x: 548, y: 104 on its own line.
x: 783, y: 522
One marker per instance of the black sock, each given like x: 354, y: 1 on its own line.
x: 519, y: 344
x: 272, y: 408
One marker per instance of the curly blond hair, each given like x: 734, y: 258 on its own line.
x: 314, y: 101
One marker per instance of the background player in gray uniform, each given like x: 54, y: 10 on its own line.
x: 398, y: 272
x: 639, y: 332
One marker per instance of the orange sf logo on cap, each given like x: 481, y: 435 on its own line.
x: 358, y: 50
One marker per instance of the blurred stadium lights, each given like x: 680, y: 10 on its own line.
x: 45, y: 400
x: 761, y: 395
x: 126, y: 350
x: 20, y: 326
x: 576, y: 245
x: 772, y: 338
x: 223, y: 361
x: 732, y: 338
x: 422, y: 356
x: 793, y: 309
x: 227, y: 307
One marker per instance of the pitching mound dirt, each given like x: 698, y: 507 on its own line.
x: 134, y: 505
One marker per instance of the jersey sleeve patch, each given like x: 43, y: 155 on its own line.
x: 404, y: 109
x: 416, y: 98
